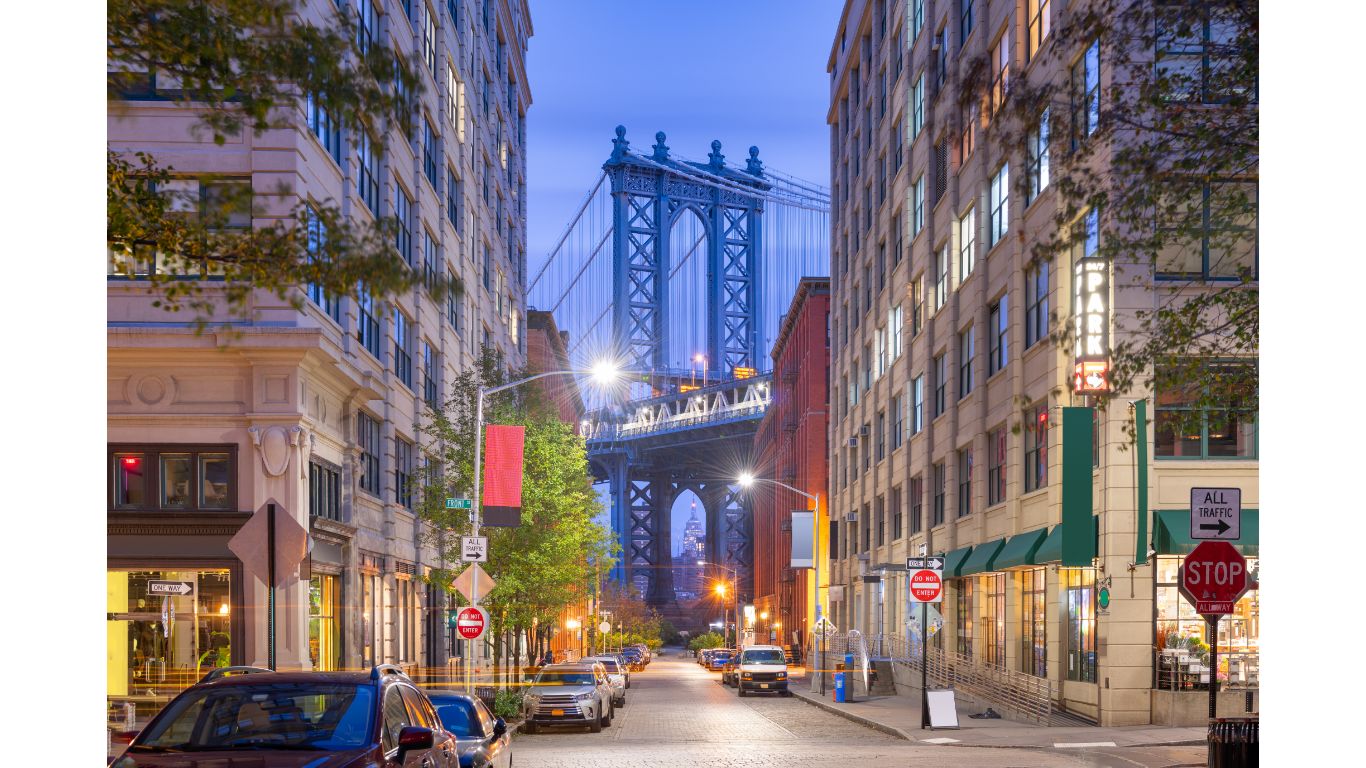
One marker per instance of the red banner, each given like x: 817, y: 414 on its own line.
x: 503, y: 475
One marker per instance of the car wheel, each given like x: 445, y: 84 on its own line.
x: 740, y: 692
x: 595, y: 726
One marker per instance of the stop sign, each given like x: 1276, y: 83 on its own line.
x: 1213, y: 578
x: 470, y: 623
x: 927, y: 586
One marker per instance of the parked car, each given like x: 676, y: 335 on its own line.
x: 718, y: 659
x: 569, y: 694
x: 634, y: 659
x: 236, y: 715
x: 645, y: 654
x: 616, y: 675
x: 482, y: 740
x: 728, y: 674
x: 760, y: 668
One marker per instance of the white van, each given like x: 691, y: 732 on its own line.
x: 762, y: 669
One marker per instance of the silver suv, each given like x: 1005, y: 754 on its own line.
x: 616, y: 676
x: 569, y: 694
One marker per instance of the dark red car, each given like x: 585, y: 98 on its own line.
x: 376, y: 719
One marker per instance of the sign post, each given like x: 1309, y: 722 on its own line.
x: 1214, y: 577
x: 925, y: 575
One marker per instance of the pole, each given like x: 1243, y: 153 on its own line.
x: 476, y: 505
x: 270, y: 586
x: 924, y: 666
x: 1213, y: 625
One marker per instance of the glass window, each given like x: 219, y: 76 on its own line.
x: 317, y: 238
x: 967, y: 244
x: 996, y: 466
x: 918, y: 404
x: 1000, y: 206
x: 367, y: 176
x: 324, y: 631
x: 1183, y: 633
x: 1037, y: 23
x: 896, y: 513
x: 1036, y: 159
x: 454, y: 198
x: 918, y: 205
x: 964, y: 611
x: 367, y: 439
x: 917, y: 305
x: 175, y: 480
x: 325, y: 127
x: 1036, y: 304
x: 1086, y: 94
x: 879, y: 514
x: 897, y: 409
x: 1209, y: 232
x: 215, y: 478
x: 403, y: 359
x: 994, y: 619
x: 396, y: 718
x: 367, y: 324
x: 917, y: 503
x: 1000, y: 71
x: 918, y: 107
x: 431, y: 373
x: 324, y: 491
x: 965, y: 482
x: 965, y: 20
x: 1197, y: 54
x: 941, y: 384
x: 940, y: 486
x: 1033, y: 623
x: 403, y: 214
x: 998, y: 332
x: 429, y: 152
x: 917, y: 18
x: 1036, y: 448
x: 1080, y: 596
x: 967, y: 352
x: 1183, y: 431
x: 130, y: 481
x: 403, y: 472
x: 941, y: 282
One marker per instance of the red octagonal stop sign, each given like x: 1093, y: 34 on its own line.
x: 1213, y: 578
x: 470, y: 622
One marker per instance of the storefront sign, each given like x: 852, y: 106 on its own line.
x: 1216, y: 513
x: 1091, y: 326
x: 170, y: 588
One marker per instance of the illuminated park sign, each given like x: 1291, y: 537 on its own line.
x: 1091, y: 326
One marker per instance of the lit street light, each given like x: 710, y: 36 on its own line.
x: 721, y: 590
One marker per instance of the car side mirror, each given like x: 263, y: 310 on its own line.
x: 413, y: 737
x: 500, y: 727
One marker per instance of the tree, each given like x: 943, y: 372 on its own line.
x: 250, y: 65
x: 548, y: 562
x: 1151, y: 130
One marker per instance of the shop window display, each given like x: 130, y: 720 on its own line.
x: 1079, y: 596
x: 1183, y: 640
x: 324, y: 631
x: 1033, y: 623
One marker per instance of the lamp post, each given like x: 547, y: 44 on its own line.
x: 603, y: 373
x: 735, y: 597
x: 747, y: 480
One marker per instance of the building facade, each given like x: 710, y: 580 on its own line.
x: 947, y: 392
x: 791, y: 448
x: 320, y: 409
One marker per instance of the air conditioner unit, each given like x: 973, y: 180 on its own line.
x: 853, y: 442
x: 863, y: 431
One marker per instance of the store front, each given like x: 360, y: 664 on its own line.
x: 167, y: 628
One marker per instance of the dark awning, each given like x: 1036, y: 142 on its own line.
x: 1172, y: 533
x: 1050, y: 551
x: 1020, y: 550
x: 954, y: 560
x: 982, y: 558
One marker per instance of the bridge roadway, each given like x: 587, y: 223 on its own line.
x: 678, y: 715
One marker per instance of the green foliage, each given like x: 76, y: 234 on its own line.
x: 507, y: 704
x: 705, y: 641
x: 245, y: 65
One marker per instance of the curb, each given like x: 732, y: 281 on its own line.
x: 860, y: 719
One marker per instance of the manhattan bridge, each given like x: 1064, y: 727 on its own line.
x: 680, y: 271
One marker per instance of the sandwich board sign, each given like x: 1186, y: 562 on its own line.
x: 943, y: 708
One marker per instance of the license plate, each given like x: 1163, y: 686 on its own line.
x: 557, y: 712
x: 763, y: 685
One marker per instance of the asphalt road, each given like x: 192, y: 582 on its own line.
x: 679, y: 715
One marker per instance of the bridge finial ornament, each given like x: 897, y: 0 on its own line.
x: 718, y: 160
x: 755, y: 166
x: 620, y: 145
x: 661, y: 150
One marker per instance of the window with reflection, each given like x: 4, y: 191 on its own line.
x: 173, y: 477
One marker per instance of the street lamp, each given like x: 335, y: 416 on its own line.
x: 603, y: 373
x: 747, y: 480
x: 721, y: 590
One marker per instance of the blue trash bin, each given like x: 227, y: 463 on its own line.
x: 839, y: 688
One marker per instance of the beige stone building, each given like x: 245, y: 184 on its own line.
x: 316, y: 409
x: 946, y: 392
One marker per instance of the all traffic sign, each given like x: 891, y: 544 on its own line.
x: 1216, y: 513
x: 927, y: 586
x: 474, y: 549
x: 470, y: 622
x: 1214, y: 577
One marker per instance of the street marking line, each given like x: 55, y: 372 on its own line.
x: 1079, y: 744
x: 940, y: 740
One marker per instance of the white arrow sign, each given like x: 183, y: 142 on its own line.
x: 474, y: 549
x: 170, y: 588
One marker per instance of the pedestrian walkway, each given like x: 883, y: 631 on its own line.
x: 900, y: 716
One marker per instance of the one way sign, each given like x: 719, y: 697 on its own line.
x: 170, y: 588
x: 1216, y: 513
x: 924, y: 563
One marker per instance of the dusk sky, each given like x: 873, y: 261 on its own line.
x: 746, y: 72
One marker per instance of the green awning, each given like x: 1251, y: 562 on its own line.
x: 1050, y: 551
x: 982, y: 558
x: 1172, y: 533
x: 954, y: 560
x: 1020, y: 550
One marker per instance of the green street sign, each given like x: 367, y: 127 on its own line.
x: 459, y: 504
x: 451, y: 614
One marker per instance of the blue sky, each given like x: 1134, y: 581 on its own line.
x: 747, y: 72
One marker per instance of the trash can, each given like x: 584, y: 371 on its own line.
x: 1233, y: 742
x: 839, y: 684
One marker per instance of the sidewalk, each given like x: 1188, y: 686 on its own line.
x: 900, y: 716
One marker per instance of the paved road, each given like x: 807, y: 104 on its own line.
x: 680, y: 716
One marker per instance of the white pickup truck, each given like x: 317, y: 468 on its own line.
x: 761, y: 669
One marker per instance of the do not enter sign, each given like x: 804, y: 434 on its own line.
x: 927, y: 586
x: 471, y: 622
x: 1214, y: 577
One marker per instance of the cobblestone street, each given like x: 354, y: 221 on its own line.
x: 678, y: 714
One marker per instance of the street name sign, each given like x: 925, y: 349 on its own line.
x: 459, y: 504
x: 1216, y: 513
x: 474, y: 549
x: 471, y: 622
x: 1214, y: 577
x: 170, y: 588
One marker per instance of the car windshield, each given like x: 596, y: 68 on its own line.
x: 611, y: 665
x: 721, y: 656
x: 458, y: 717
x: 264, y: 716
x: 762, y: 656
x: 565, y: 678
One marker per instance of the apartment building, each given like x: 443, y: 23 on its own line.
x: 947, y: 394
x: 320, y: 409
